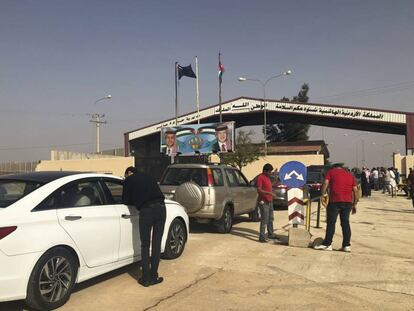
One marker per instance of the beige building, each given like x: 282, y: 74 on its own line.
x: 403, y: 163
x: 255, y: 168
x: 85, y: 162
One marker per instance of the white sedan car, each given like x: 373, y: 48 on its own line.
x: 62, y: 228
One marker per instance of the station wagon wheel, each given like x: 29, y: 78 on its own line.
x: 52, y: 280
x: 176, y: 239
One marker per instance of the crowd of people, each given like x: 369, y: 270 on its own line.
x: 378, y: 178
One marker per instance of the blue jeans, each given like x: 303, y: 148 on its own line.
x: 332, y: 211
x: 266, y: 220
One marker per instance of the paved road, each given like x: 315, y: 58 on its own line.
x: 234, y: 272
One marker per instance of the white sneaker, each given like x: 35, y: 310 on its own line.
x: 346, y: 249
x: 323, y: 247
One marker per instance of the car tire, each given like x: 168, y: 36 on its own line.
x: 225, y: 223
x: 191, y: 196
x: 52, y: 280
x: 255, y: 215
x: 176, y: 239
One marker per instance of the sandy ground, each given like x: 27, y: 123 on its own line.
x: 235, y: 272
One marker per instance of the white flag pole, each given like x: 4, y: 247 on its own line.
x: 197, y: 92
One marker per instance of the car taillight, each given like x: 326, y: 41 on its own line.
x: 210, y: 178
x: 5, y: 231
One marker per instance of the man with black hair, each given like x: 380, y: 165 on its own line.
x: 343, y: 198
x: 265, y: 201
x: 129, y: 171
x: 143, y: 192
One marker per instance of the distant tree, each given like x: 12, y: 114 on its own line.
x: 290, y: 131
x: 245, y: 151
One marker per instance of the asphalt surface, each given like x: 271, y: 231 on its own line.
x: 235, y: 272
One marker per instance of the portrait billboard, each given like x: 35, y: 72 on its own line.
x: 198, y: 138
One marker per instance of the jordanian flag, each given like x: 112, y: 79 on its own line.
x: 221, y: 71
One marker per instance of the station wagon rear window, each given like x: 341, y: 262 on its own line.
x: 13, y: 190
x: 175, y: 176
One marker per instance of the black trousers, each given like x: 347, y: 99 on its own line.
x: 151, y: 217
x: 332, y: 211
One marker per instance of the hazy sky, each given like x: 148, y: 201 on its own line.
x: 58, y: 57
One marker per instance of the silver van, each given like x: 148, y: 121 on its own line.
x: 210, y: 193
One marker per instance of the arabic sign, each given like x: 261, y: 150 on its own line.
x: 203, y: 138
x: 293, y: 174
x: 245, y: 105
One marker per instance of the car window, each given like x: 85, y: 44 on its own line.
x: 231, y: 178
x: 242, y: 181
x: 177, y: 175
x: 13, y: 190
x: 218, y: 177
x: 78, y: 194
x: 114, y: 192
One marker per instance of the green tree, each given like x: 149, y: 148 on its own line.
x: 245, y: 151
x: 290, y: 131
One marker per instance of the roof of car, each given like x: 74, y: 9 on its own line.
x: 41, y: 177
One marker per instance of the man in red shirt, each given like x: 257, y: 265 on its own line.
x: 265, y: 201
x: 343, y: 197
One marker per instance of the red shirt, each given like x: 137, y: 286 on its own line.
x: 263, y: 182
x: 340, y: 184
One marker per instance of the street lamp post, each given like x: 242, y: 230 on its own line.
x: 96, y: 118
x: 263, y: 84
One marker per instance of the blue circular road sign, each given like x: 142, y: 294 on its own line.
x: 293, y: 174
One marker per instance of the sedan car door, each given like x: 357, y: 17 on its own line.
x: 130, y: 242
x: 92, y: 225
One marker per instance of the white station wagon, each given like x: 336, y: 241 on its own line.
x: 62, y: 228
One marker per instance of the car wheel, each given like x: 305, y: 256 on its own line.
x: 52, y: 280
x: 176, y: 239
x: 225, y: 223
x: 255, y: 215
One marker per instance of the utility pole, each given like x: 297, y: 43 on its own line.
x: 96, y: 118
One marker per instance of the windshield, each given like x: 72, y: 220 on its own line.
x: 314, y: 177
x: 13, y: 190
x: 177, y: 176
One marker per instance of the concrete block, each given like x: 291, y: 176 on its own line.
x: 299, y: 237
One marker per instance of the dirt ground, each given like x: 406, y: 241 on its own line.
x: 235, y: 272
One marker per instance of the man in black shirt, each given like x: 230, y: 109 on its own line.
x: 143, y: 192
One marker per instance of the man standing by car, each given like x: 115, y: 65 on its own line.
x: 343, y: 197
x: 265, y: 201
x: 143, y: 192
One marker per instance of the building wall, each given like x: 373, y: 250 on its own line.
x: 252, y: 169
x: 71, y: 155
x: 403, y: 163
x: 115, y: 166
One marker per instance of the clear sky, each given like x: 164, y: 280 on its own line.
x: 58, y: 57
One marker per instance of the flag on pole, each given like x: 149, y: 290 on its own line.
x: 220, y: 71
x: 185, y: 71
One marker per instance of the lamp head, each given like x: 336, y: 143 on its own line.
x: 109, y: 96
x: 288, y: 72
x: 242, y: 79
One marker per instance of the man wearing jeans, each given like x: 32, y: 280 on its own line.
x: 265, y: 201
x: 343, y: 198
x: 143, y: 192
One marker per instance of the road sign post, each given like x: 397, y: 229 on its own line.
x: 293, y: 175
